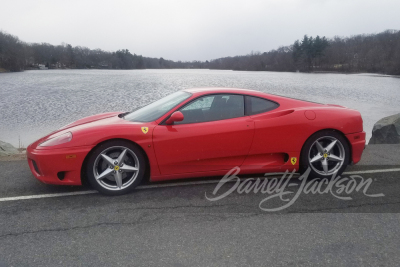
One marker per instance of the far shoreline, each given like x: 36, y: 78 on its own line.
x: 375, y: 74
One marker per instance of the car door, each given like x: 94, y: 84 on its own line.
x: 214, y: 135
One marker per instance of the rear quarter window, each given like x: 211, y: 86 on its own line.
x: 256, y: 105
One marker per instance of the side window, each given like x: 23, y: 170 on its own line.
x: 201, y: 103
x: 213, y: 108
x: 256, y: 105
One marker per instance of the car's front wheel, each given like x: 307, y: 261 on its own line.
x: 115, y: 167
x: 326, y: 153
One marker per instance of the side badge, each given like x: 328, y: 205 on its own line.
x: 145, y: 130
x: 293, y: 160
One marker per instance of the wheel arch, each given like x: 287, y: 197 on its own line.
x: 327, y: 129
x: 84, y: 179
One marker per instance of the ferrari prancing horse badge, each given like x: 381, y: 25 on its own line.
x: 293, y: 160
x: 145, y: 130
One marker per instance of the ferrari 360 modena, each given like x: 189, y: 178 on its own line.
x: 200, y: 133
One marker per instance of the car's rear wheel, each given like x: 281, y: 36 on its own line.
x: 115, y: 167
x: 326, y: 153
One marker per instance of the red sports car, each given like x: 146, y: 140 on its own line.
x: 197, y: 133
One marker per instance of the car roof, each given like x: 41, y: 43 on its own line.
x: 276, y: 98
x: 208, y: 90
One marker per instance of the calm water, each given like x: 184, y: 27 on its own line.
x: 33, y: 103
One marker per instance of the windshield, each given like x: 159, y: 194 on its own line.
x: 156, y: 109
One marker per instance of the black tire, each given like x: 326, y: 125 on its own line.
x: 310, y: 151
x: 98, y: 164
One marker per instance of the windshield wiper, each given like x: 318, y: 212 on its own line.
x: 123, y: 114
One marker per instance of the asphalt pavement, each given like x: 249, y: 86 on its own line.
x: 174, y: 224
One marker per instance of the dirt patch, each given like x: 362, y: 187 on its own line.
x: 13, y: 157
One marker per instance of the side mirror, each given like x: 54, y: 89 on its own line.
x: 176, y: 116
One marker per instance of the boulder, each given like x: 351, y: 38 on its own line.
x: 386, y: 131
x: 7, y: 149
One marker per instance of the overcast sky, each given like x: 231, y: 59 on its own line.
x: 192, y: 29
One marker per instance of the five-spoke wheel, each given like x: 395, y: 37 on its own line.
x: 326, y: 153
x: 115, y: 167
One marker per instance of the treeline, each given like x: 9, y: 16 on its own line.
x: 16, y: 55
x: 375, y: 53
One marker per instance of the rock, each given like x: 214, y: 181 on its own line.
x: 386, y: 131
x: 7, y: 149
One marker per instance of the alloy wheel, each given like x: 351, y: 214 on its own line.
x: 116, y: 168
x: 326, y: 155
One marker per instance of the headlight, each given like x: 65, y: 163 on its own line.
x: 58, y: 140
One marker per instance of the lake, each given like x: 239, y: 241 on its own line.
x: 34, y: 103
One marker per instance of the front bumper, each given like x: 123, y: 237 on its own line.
x: 60, y: 166
x: 357, y: 143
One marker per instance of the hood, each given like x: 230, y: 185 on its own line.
x: 87, y: 122
x: 92, y: 130
x: 90, y: 119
